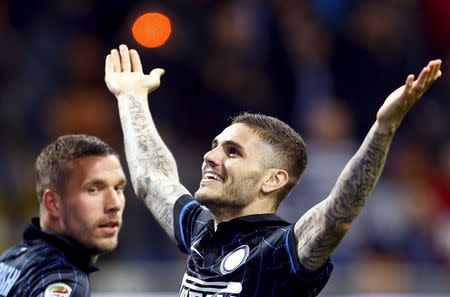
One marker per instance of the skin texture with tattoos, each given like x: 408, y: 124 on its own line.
x: 236, y: 181
x: 321, y: 229
x: 152, y: 167
x: 335, y: 214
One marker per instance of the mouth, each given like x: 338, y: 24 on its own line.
x: 210, y: 176
x: 110, y: 227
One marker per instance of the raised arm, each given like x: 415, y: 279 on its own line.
x: 152, y: 167
x: 321, y: 229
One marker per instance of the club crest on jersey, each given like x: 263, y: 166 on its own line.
x: 58, y: 290
x: 233, y: 260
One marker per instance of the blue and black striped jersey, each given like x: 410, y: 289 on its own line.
x: 45, y: 264
x: 253, y: 255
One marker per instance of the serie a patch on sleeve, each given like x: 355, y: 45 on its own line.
x: 58, y: 290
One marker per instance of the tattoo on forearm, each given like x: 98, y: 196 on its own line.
x: 150, y: 148
x: 152, y: 167
x: 325, y: 225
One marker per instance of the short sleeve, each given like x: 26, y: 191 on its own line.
x: 315, y: 279
x: 190, y: 219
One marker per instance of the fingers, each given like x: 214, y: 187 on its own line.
x: 123, y: 60
x: 115, y: 61
x: 109, y: 67
x: 428, y: 75
x: 435, y: 70
x: 135, y: 61
x: 424, y: 78
x: 409, y: 83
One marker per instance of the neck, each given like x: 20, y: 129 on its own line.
x: 47, y: 223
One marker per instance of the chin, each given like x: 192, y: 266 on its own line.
x: 200, y: 197
x: 203, y: 197
x: 105, y: 246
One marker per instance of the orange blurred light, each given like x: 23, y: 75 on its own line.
x: 151, y: 29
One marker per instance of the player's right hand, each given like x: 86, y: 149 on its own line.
x: 124, y: 75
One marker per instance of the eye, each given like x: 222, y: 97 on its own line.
x: 119, y: 189
x: 93, y: 190
x: 233, y: 152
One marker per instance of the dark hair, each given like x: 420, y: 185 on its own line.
x: 289, y: 147
x: 52, y: 164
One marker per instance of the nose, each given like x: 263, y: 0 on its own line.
x: 212, y: 157
x: 114, y: 201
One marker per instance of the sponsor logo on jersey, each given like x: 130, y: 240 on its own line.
x: 58, y: 290
x: 233, y: 260
x: 194, y: 287
x: 8, y: 276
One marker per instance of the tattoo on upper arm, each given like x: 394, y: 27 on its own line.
x: 324, y: 226
x: 161, y: 199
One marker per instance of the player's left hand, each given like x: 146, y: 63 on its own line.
x: 399, y: 102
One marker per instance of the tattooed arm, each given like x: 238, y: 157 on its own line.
x: 152, y: 167
x: 321, y: 229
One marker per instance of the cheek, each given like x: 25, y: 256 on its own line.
x: 122, y: 203
x: 241, y: 167
x: 82, y: 216
x: 86, y: 210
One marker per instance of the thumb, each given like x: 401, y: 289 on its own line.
x: 157, y: 73
x: 155, y: 78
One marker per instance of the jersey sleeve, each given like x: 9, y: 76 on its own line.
x: 314, y: 280
x: 190, y: 220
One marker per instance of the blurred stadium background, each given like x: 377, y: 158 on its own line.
x: 324, y: 66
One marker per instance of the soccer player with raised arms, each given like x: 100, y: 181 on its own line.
x: 236, y: 244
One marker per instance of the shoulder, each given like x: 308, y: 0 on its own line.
x: 38, y: 269
x: 190, y: 220
x: 187, y: 208
x: 64, y: 288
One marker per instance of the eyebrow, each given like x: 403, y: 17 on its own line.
x: 230, y: 143
x: 101, y: 182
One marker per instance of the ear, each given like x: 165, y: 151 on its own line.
x: 51, y: 202
x: 276, y: 180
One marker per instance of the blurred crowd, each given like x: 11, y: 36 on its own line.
x: 323, y: 66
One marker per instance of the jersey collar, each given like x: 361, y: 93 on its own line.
x: 255, y: 219
x: 79, y: 255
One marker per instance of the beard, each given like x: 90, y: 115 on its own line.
x: 234, y: 196
x: 94, y: 246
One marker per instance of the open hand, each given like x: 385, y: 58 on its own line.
x: 123, y: 73
x: 398, y: 103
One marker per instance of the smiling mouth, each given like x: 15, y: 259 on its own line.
x: 210, y: 176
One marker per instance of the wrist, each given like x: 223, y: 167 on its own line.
x: 138, y: 94
x: 385, y: 128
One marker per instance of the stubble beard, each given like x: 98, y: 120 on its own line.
x: 234, y: 197
x: 94, y: 246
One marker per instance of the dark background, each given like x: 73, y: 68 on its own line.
x: 323, y: 66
